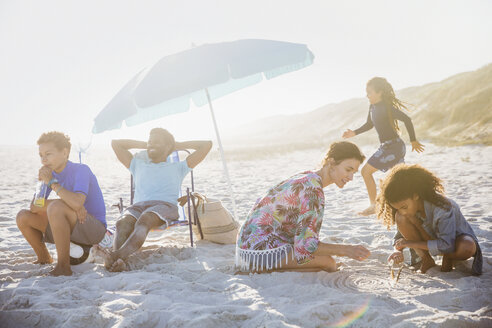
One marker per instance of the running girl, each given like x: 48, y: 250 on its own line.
x: 384, y: 111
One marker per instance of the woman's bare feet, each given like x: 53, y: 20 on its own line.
x: 61, y: 271
x: 333, y: 268
x: 368, y: 211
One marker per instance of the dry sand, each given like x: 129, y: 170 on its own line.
x: 171, y: 284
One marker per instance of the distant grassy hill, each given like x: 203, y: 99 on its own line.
x: 455, y: 111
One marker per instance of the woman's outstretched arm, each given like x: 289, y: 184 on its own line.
x: 356, y: 252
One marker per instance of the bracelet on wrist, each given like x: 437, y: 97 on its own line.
x: 52, y: 181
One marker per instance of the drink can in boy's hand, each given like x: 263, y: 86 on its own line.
x: 40, y: 196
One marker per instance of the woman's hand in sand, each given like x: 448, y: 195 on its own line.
x: 396, y: 257
x: 44, y: 174
x: 400, y: 244
x: 417, y: 146
x: 357, y: 252
x: 348, y: 134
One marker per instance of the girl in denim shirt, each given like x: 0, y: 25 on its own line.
x: 427, y: 221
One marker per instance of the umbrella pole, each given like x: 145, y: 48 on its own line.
x: 224, y: 164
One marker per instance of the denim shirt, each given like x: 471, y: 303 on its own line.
x: 444, y: 225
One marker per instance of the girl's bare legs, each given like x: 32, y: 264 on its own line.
x: 410, y: 232
x: 465, y: 248
x: 32, y: 226
x: 367, y: 172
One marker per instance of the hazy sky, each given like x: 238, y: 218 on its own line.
x: 62, y: 61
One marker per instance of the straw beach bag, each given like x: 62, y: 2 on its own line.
x: 214, y: 220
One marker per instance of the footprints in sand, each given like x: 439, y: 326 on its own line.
x: 17, y: 302
x: 150, y: 258
x: 5, y: 219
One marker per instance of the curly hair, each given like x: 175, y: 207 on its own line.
x: 60, y: 140
x: 342, y: 150
x: 404, y: 181
x: 380, y: 84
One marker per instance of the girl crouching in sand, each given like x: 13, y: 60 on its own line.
x: 285, y: 223
x: 431, y: 224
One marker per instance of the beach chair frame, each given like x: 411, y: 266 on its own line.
x: 191, y: 204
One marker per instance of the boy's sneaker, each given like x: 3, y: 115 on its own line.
x: 107, y: 241
x: 76, y: 251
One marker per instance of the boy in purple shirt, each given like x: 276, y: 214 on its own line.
x: 79, y: 215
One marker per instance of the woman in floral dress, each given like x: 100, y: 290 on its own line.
x: 281, y: 230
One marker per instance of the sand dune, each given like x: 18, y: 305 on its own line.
x: 455, y: 111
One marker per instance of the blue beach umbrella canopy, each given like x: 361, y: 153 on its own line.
x: 200, y: 74
x: 220, y: 68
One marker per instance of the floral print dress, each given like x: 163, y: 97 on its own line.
x: 286, y: 220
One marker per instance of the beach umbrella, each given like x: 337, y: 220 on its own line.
x: 200, y: 74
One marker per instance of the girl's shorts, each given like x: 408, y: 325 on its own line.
x: 389, y: 154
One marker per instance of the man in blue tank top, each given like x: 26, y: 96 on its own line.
x: 157, y: 185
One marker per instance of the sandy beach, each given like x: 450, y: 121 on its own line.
x: 173, y: 285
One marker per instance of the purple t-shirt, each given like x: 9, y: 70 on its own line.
x: 79, y: 178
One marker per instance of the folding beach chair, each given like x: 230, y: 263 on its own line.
x: 82, y: 251
x: 184, y: 213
